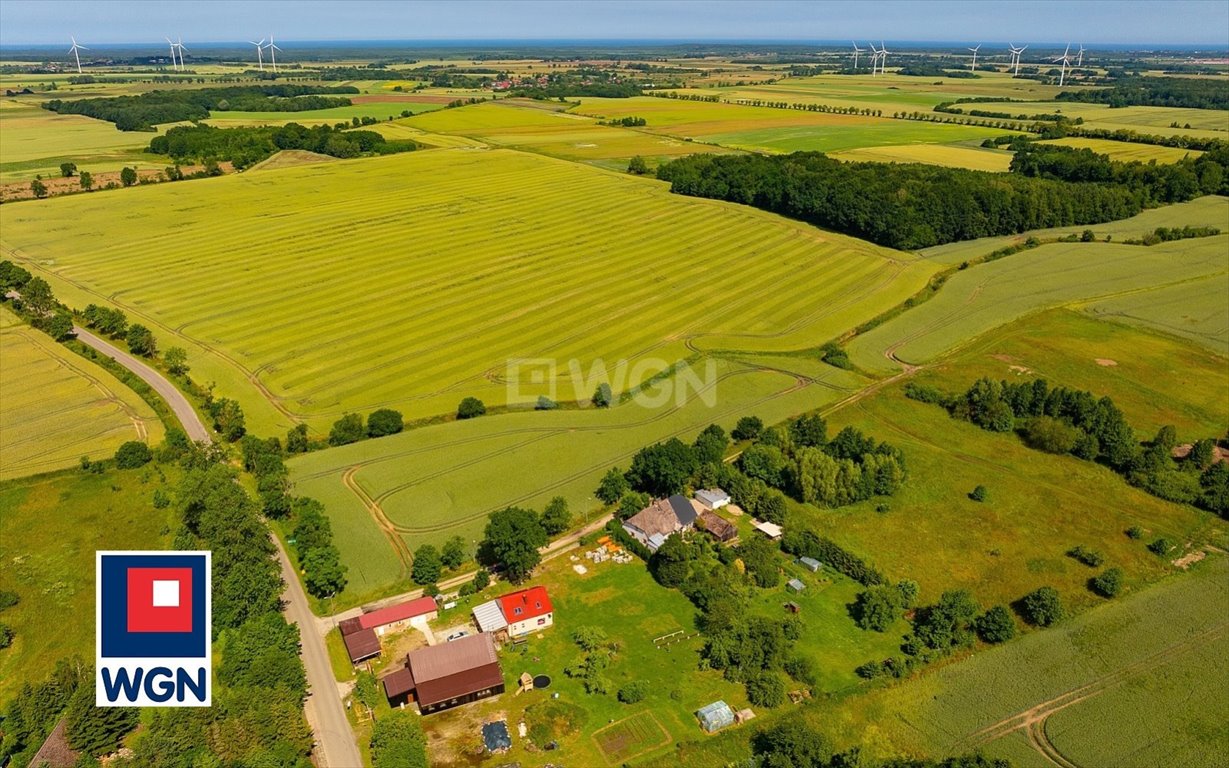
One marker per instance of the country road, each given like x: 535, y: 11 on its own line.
x: 335, y: 747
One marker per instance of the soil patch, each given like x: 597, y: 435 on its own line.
x: 1106, y: 362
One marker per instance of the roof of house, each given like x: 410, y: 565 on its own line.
x: 664, y: 516
x: 454, y: 669
x: 350, y: 625
x: 362, y: 644
x: 490, y: 617
x: 711, y: 496
x: 55, y: 752
x: 399, y: 612
x: 772, y: 530
x: 399, y: 683
x: 526, y: 604
x: 716, y: 525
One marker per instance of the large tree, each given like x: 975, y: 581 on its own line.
x: 664, y: 468
x: 512, y: 538
x: 397, y: 741
x: 427, y: 565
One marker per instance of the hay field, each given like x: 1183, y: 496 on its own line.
x: 776, y: 130
x: 58, y: 407
x: 989, y: 295
x: 1126, y: 151
x: 443, y: 282
x: 1204, y: 123
x: 952, y: 156
x: 428, y: 484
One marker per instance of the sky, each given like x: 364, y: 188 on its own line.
x: 24, y: 22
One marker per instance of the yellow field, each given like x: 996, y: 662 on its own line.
x: 412, y: 281
x: 1127, y: 151
x: 952, y: 156
x: 58, y: 407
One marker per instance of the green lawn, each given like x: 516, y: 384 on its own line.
x: 50, y: 527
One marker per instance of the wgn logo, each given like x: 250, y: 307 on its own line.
x: 152, y: 633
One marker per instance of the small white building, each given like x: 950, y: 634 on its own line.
x: 713, y: 498
x: 490, y: 617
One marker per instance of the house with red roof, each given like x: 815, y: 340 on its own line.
x: 527, y: 611
x: 398, y: 617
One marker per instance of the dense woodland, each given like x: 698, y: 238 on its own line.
x: 144, y: 111
x: 246, y: 146
x: 1187, y: 92
x: 911, y: 206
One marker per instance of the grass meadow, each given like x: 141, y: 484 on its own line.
x: 443, y: 283
x: 50, y: 527
x: 1123, y: 151
x: 986, y: 296
x: 1203, y: 123
x: 432, y: 483
x: 58, y: 406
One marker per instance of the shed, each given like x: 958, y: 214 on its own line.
x: 490, y: 617
x: 361, y: 645
x: 399, y: 686
x: 794, y: 585
x: 716, y: 526
x: 712, y: 498
x: 793, y: 607
x: 810, y: 563
x: 715, y: 716
x: 771, y: 530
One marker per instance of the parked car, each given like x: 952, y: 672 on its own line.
x: 458, y: 635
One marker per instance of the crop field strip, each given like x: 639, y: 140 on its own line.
x: 952, y: 156
x: 704, y: 260
x: 90, y: 414
x: 1197, y: 310
x: 977, y: 300
x: 1126, y: 151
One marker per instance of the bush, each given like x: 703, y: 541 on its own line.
x: 748, y: 428
x: 1108, y: 583
x: 637, y: 166
x: 470, y: 407
x: 141, y: 341
x: 133, y: 454
x: 602, y: 396
x: 1161, y: 547
x: 384, y: 422
x: 482, y: 579
x: 979, y: 493
x: 6, y: 635
x: 8, y: 599
x: 545, y: 404
x: 1051, y: 435
x: 634, y: 692
x: 1089, y: 557
x: 1135, y: 532
x: 996, y: 625
x: 1042, y: 607
x: 877, y: 608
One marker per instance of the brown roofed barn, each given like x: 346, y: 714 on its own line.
x: 445, y: 676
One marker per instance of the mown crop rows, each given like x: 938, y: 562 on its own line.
x: 410, y: 282
x: 58, y: 407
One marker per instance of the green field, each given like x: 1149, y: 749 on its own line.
x: 1196, y: 310
x: 1116, y: 668
x: 50, y: 527
x: 979, y: 299
x: 36, y: 141
x: 58, y: 406
x: 1204, y: 123
x: 380, y: 110
x: 297, y: 334
x: 429, y: 484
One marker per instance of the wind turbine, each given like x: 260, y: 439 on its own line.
x: 260, y: 57
x: 76, y: 47
x: 856, y: 51
x: 1065, y: 59
x: 1079, y: 62
x: 181, y: 48
x: 975, y: 50
x: 874, y: 60
x: 883, y: 58
x: 174, y: 64
x: 272, y: 55
x: 1015, y: 56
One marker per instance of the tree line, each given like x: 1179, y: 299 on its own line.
x: 246, y: 146
x: 899, y: 206
x: 1188, y: 92
x: 1156, y: 183
x: 143, y: 111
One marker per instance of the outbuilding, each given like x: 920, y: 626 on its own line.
x: 716, y: 526
x: 715, y: 716
x: 794, y: 585
x: 712, y: 498
x: 771, y: 530
x: 810, y: 563
x: 397, y: 617
x: 489, y: 617
x: 455, y: 673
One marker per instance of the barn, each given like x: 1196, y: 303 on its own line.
x: 397, y: 617
x: 455, y: 673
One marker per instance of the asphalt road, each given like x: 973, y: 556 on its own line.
x: 335, y: 747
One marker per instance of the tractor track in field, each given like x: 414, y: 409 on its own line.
x: 1033, y: 719
x: 377, y: 514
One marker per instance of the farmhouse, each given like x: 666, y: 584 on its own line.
x: 527, y: 611
x: 713, y: 498
x: 397, y: 617
x: 655, y: 523
x: 716, y: 526
x: 444, y: 676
